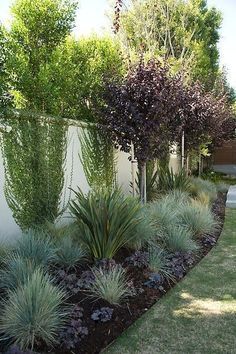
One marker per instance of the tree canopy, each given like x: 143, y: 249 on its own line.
x: 184, y: 32
x: 38, y: 27
x: 4, y: 95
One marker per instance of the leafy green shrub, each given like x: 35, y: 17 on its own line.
x: 179, y: 239
x: 198, y: 219
x: 32, y: 312
x: 199, y: 186
x: 157, y: 262
x: 36, y: 246
x: 168, y: 180
x: 16, y: 271
x: 106, y: 221
x: 110, y: 284
x: 68, y: 253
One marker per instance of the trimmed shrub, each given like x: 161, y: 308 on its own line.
x: 106, y: 221
x: 33, y: 312
x: 110, y: 284
x: 179, y: 239
x: 197, y: 219
x: 68, y: 253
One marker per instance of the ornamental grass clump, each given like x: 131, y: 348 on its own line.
x: 110, y: 284
x: 33, y: 312
x: 68, y: 253
x: 106, y: 221
x: 157, y: 262
x: 37, y: 247
x: 178, y: 238
x: 197, y: 219
x: 199, y: 186
x: 145, y: 231
x: 162, y: 213
x: 16, y: 271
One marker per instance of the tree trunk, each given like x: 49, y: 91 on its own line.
x: 200, y: 164
x: 132, y: 169
x: 182, y: 151
x: 187, y: 164
x: 143, y: 186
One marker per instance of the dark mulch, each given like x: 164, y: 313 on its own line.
x: 101, y: 334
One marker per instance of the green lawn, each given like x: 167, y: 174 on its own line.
x: 199, y: 314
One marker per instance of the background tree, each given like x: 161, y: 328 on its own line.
x: 52, y: 72
x: 185, y: 33
x: 4, y: 87
x: 38, y: 27
x: 73, y: 82
x: 207, y: 120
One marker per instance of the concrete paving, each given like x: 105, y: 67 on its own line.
x: 231, y: 197
x: 227, y: 169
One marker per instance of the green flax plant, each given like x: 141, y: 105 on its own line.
x: 106, y: 221
x: 169, y: 181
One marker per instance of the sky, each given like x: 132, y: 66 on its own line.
x: 92, y: 17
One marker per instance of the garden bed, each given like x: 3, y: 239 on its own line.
x: 96, y: 335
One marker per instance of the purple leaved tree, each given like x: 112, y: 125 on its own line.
x: 205, y: 118
x: 144, y: 110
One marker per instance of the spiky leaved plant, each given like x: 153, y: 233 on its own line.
x: 106, y: 221
x: 169, y: 181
